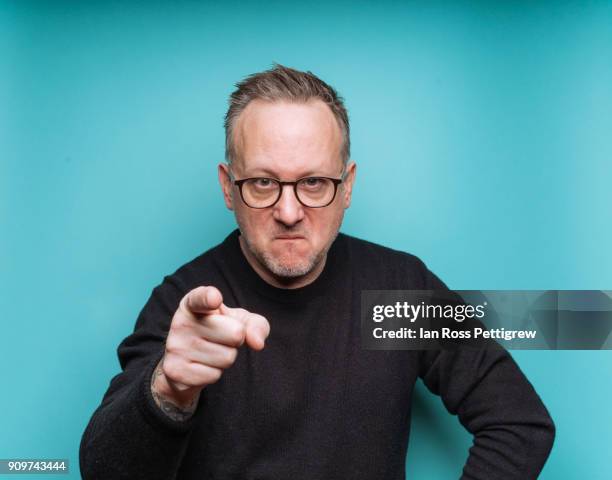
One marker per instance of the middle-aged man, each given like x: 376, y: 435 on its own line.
x: 246, y: 363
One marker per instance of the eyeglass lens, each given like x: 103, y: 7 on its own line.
x: 311, y: 191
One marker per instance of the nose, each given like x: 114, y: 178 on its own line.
x: 288, y: 210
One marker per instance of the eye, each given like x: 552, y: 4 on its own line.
x: 263, y: 183
x: 312, y: 182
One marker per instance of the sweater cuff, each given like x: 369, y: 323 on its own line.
x: 152, y: 413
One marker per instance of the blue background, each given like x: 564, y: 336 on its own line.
x: 481, y: 131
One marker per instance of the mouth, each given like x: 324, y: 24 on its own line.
x: 289, y: 237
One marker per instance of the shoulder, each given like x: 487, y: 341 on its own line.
x: 374, y: 251
x: 395, y: 268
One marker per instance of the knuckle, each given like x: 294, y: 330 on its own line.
x: 229, y: 357
x: 236, y: 334
x: 214, y: 375
x: 171, y: 369
x: 172, y: 344
x: 263, y: 322
x: 179, y: 323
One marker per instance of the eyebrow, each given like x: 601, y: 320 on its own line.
x: 259, y: 172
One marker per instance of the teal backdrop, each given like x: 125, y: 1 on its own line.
x: 482, y: 134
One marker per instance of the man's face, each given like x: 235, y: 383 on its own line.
x: 287, y: 242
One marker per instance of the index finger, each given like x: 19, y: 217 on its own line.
x: 203, y: 300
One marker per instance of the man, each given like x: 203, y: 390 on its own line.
x: 247, y: 361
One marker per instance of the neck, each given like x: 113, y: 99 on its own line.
x: 276, y: 281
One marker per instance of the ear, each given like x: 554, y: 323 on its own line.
x: 226, y: 185
x: 349, y: 179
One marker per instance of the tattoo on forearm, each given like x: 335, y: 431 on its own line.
x: 172, y: 410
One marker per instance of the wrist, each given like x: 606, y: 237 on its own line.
x: 177, y: 404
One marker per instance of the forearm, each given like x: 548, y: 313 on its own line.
x: 510, y: 451
x: 130, y: 437
x: 513, y: 431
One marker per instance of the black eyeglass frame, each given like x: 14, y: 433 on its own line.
x: 335, y: 181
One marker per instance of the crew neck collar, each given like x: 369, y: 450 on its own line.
x: 320, y: 286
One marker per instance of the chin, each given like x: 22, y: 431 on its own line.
x: 288, y: 268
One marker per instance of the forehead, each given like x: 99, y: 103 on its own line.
x: 288, y: 139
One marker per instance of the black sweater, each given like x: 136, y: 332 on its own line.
x: 313, y: 404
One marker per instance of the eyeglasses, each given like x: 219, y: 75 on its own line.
x: 312, y: 192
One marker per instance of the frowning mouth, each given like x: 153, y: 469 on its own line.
x: 289, y: 237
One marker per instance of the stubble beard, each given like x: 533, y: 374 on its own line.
x: 282, y: 269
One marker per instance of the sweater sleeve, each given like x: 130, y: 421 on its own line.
x: 128, y: 436
x: 513, y: 431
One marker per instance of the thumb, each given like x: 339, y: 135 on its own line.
x: 257, y: 330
